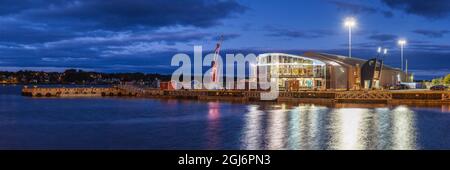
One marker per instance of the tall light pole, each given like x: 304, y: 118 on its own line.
x: 385, y: 51
x: 379, y: 52
x: 379, y: 61
x: 402, y: 43
x: 350, y: 23
x: 382, y: 51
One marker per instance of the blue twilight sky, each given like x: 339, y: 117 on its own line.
x: 143, y: 35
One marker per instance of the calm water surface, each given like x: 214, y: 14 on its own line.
x: 130, y: 123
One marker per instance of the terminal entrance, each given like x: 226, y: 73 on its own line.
x: 298, y: 84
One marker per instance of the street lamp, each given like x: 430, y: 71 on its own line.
x: 350, y: 22
x: 379, y: 62
x: 381, y: 50
x: 402, y: 43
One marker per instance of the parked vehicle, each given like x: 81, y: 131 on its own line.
x: 439, y: 87
x: 399, y: 87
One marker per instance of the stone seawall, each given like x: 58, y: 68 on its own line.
x: 380, y: 97
x: 75, y: 92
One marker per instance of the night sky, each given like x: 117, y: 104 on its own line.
x: 143, y: 35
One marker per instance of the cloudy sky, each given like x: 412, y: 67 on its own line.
x: 143, y: 35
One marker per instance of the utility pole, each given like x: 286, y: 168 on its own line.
x: 406, y: 69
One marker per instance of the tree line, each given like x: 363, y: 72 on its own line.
x: 441, y: 81
x: 76, y: 76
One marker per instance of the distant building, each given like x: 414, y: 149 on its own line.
x: 167, y: 85
x: 320, y: 71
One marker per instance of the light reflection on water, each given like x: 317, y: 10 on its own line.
x: 276, y: 131
x: 348, y: 128
x: 213, y: 125
x: 253, y: 129
x: 316, y: 127
x: 403, y: 128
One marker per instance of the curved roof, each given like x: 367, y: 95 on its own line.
x: 331, y: 59
x: 343, y: 60
x: 315, y: 61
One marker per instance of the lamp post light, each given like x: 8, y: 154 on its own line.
x: 385, y: 52
x: 402, y: 43
x: 379, y: 51
x: 382, y: 51
x: 350, y: 23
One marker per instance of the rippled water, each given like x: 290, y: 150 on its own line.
x: 132, y: 123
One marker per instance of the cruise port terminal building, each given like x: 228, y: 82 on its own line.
x: 321, y: 71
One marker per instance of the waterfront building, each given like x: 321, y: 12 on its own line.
x: 321, y: 71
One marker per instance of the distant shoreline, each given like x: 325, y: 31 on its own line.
x: 78, y: 77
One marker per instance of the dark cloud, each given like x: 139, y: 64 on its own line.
x: 167, y: 38
x: 432, y: 33
x: 388, y: 14
x: 430, y: 73
x: 63, y: 32
x: 111, y: 35
x: 28, y: 33
x: 417, y: 46
x: 438, y: 48
x: 115, y: 14
x: 354, y: 8
x: 309, y: 34
x: 228, y: 36
x: 383, y: 37
x: 9, y: 7
x: 366, y: 45
x: 430, y: 9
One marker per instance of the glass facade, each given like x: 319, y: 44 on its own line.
x: 294, y: 72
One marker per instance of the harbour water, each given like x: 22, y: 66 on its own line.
x: 138, y: 123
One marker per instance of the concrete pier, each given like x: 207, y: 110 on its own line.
x: 328, y: 97
x: 379, y: 97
